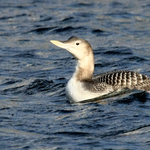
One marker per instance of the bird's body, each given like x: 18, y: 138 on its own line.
x: 84, y: 86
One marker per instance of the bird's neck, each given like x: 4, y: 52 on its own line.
x: 84, y: 69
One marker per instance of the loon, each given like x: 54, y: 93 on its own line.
x: 84, y: 86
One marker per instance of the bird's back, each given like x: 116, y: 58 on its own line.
x: 118, y: 80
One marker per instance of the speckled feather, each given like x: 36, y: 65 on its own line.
x: 117, y: 80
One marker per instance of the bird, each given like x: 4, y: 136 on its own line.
x: 84, y: 86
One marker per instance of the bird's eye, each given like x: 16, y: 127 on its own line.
x: 77, y: 43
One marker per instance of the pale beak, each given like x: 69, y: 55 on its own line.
x: 59, y: 44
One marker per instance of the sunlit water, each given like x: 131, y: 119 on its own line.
x: 34, y: 111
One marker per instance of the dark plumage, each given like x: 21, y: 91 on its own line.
x: 118, y: 80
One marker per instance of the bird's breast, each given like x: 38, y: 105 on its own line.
x: 76, y: 91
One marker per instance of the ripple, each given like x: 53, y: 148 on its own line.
x: 39, y: 85
x: 76, y: 134
x: 136, y: 58
x: 81, y: 4
x: 118, y: 51
x: 46, y: 18
x: 68, y: 19
x: 25, y: 55
x: 10, y: 17
x: 135, y: 96
x: 69, y: 29
x: 42, y: 30
x: 35, y: 87
x: 99, y: 32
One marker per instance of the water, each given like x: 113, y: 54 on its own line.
x: 34, y: 111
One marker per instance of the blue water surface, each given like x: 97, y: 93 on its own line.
x: 34, y: 111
